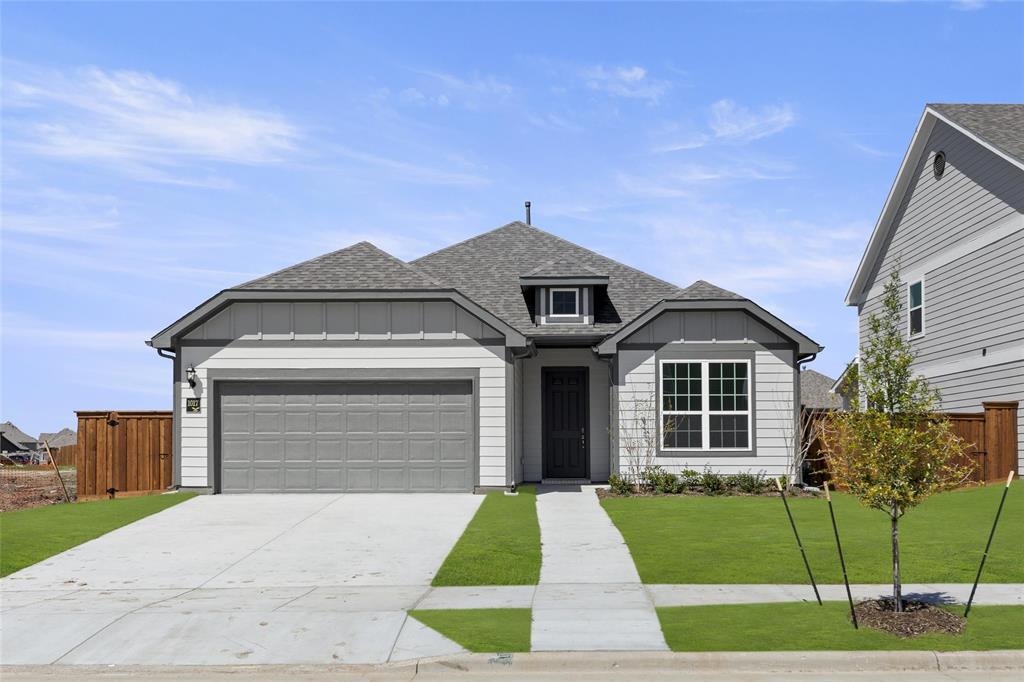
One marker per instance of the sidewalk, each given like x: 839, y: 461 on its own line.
x: 590, y: 597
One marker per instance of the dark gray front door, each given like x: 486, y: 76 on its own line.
x: 565, y: 408
x: 381, y: 436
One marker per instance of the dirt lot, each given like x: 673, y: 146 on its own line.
x: 26, y: 487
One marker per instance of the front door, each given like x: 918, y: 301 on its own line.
x: 565, y: 408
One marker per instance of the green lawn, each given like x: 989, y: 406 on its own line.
x: 500, y: 546
x: 31, y: 535
x: 482, y: 630
x: 690, y: 539
x: 809, y: 627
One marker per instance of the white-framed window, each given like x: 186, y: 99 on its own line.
x: 563, y: 302
x: 915, y: 307
x: 705, y: 405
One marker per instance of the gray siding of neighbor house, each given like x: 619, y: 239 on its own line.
x: 598, y: 437
x: 332, y: 341
x: 961, y: 391
x: 963, y: 235
x: 710, y: 335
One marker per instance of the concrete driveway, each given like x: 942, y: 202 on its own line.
x: 231, y: 579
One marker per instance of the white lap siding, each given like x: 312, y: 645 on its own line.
x: 676, y: 334
x: 774, y: 415
x: 488, y: 360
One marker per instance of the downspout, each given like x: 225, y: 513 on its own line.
x: 175, y: 419
x: 528, y: 352
x: 613, y: 408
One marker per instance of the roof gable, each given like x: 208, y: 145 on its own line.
x: 970, y: 120
x: 360, y: 266
x: 487, y: 268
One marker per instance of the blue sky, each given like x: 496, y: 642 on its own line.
x: 155, y: 154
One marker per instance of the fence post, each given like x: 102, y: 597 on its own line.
x: 1000, y: 436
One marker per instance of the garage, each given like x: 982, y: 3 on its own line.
x: 350, y: 436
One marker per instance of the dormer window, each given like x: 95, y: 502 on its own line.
x: 564, y: 302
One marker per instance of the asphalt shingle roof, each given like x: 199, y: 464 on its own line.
x: 487, y: 268
x: 360, y: 266
x: 1002, y: 125
x: 814, y: 391
x: 16, y: 435
x: 563, y: 267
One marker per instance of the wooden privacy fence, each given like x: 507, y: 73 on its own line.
x: 130, y: 452
x: 991, y: 437
x: 64, y: 456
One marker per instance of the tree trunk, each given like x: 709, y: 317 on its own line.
x: 897, y: 584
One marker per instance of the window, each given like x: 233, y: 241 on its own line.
x: 915, y: 302
x: 564, y: 303
x: 705, y: 405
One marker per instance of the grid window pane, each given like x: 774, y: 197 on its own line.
x: 729, y: 393
x: 563, y: 303
x: 729, y: 431
x: 681, y: 431
x: 680, y: 387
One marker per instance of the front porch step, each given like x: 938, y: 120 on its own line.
x: 565, y: 481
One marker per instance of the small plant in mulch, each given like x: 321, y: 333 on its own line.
x: 916, y: 618
x: 653, y: 481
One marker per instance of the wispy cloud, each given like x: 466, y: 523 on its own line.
x: 428, y: 175
x: 683, y: 180
x: 727, y: 123
x: 30, y: 329
x: 732, y: 122
x: 969, y: 5
x: 625, y: 81
x: 139, y: 122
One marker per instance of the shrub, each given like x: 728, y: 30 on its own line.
x: 656, y: 479
x: 752, y: 484
x: 712, y: 483
x: 688, y: 478
x: 620, y: 485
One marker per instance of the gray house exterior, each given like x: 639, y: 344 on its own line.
x: 512, y: 356
x: 954, y: 224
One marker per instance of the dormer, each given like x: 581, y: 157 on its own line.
x: 562, y: 292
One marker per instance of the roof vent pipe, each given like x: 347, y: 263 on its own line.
x: 528, y: 213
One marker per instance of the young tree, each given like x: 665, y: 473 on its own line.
x: 896, y: 451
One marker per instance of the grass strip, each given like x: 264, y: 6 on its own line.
x: 481, y: 630
x: 694, y: 539
x: 28, y: 536
x: 803, y: 626
x: 500, y: 546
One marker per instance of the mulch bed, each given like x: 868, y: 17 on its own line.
x: 603, y: 493
x: 27, y: 488
x: 917, y: 618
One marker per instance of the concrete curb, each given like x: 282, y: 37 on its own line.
x: 727, y: 662
x: 567, y: 665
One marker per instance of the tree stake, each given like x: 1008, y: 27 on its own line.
x: 782, y: 493
x: 989, y: 543
x: 842, y: 561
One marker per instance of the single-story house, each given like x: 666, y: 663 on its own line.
x: 13, y: 439
x: 512, y: 356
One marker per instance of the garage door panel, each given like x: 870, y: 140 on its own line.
x: 267, y: 422
x: 298, y: 451
x: 392, y: 451
x: 392, y: 479
x: 330, y: 451
x: 392, y: 422
x: 267, y: 450
x: 346, y: 436
x: 329, y: 422
x: 360, y: 451
x: 361, y: 422
x: 423, y: 450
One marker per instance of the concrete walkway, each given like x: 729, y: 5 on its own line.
x: 590, y: 597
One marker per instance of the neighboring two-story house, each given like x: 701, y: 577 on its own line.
x: 512, y: 356
x: 954, y: 224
